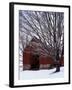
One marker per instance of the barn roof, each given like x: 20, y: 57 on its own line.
x: 35, y: 46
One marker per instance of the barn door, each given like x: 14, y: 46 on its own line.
x: 35, y: 62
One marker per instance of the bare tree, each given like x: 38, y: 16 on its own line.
x: 48, y: 27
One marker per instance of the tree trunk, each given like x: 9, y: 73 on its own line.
x: 57, y: 67
x: 57, y: 61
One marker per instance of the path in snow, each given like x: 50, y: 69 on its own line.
x: 41, y: 74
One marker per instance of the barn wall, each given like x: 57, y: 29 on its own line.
x: 26, y: 67
x: 44, y: 62
x: 62, y: 61
x: 26, y: 60
x: 44, y: 66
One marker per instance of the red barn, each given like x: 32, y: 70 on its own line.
x: 33, y: 60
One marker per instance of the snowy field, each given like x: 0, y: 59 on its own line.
x: 41, y: 74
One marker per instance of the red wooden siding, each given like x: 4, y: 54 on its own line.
x: 45, y: 60
x: 62, y: 61
x: 26, y: 58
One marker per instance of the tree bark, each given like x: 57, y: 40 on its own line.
x: 57, y: 67
x: 57, y: 61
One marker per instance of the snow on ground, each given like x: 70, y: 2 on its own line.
x: 41, y: 74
